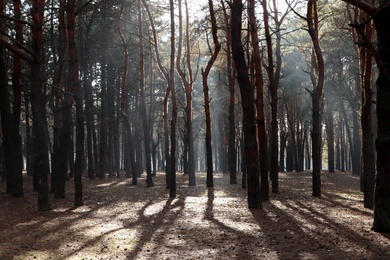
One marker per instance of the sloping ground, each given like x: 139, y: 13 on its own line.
x: 120, y: 221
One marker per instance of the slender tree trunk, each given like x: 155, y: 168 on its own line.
x: 149, y: 179
x: 317, y: 95
x: 172, y: 188
x: 330, y: 139
x: 187, y: 81
x: 73, y: 79
x: 232, y: 150
x: 273, y: 89
x: 103, y: 124
x: 259, y: 84
x: 205, y: 74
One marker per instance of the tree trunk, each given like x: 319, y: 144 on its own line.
x: 249, y: 115
x: 316, y: 95
x: 232, y: 150
x: 330, y: 139
x: 382, y: 190
x: 74, y: 87
x: 260, y: 120
x: 103, y: 124
x: 189, y: 164
x: 172, y: 188
x: 145, y: 124
x: 205, y: 74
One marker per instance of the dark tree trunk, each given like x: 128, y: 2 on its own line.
x: 249, y: 114
x: 316, y: 95
x: 75, y: 89
x: 273, y: 89
x: 330, y: 139
x: 356, y: 156
x: 172, y: 186
x: 260, y: 119
x: 232, y: 150
x: 12, y: 168
x: 205, y: 74
x: 382, y: 190
x: 17, y: 178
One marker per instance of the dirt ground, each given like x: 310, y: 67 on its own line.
x: 120, y: 221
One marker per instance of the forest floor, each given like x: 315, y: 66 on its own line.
x: 120, y: 221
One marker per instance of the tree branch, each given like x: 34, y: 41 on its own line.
x: 363, y: 5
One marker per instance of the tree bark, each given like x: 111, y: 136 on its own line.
x: 260, y: 120
x: 205, y: 74
x: 382, y: 190
x: 73, y: 81
x: 172, y: 188
x: 316, y: 95
x: 249, y: 115
x: 188, y: 87
x: 232, y: 150
x: 145, y: 124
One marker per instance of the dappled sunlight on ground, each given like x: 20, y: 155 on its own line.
x: 120, y: 221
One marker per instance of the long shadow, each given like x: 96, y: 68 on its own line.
x: 45, y: 223
x: 351, y: 235
x: 322, y: 236
x: 151, y: 224
x: 243, y: 249
x: 329, y: 197
x: 286, y: 236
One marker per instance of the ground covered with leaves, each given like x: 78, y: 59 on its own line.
x: 120, y: 221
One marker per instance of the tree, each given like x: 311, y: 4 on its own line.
x: 249, y: 114
x: 259, y: 85
x: 75, y: 87
x: 187, y: 82
x: 232, y: 150
x: 316, y: 94
x: 145, y: 124
x: 9, y: 127
x: 172, y: 188
x: 168, y: 76
x: 363, y: 26
x: 205, y: 74
x: 381, y: 17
